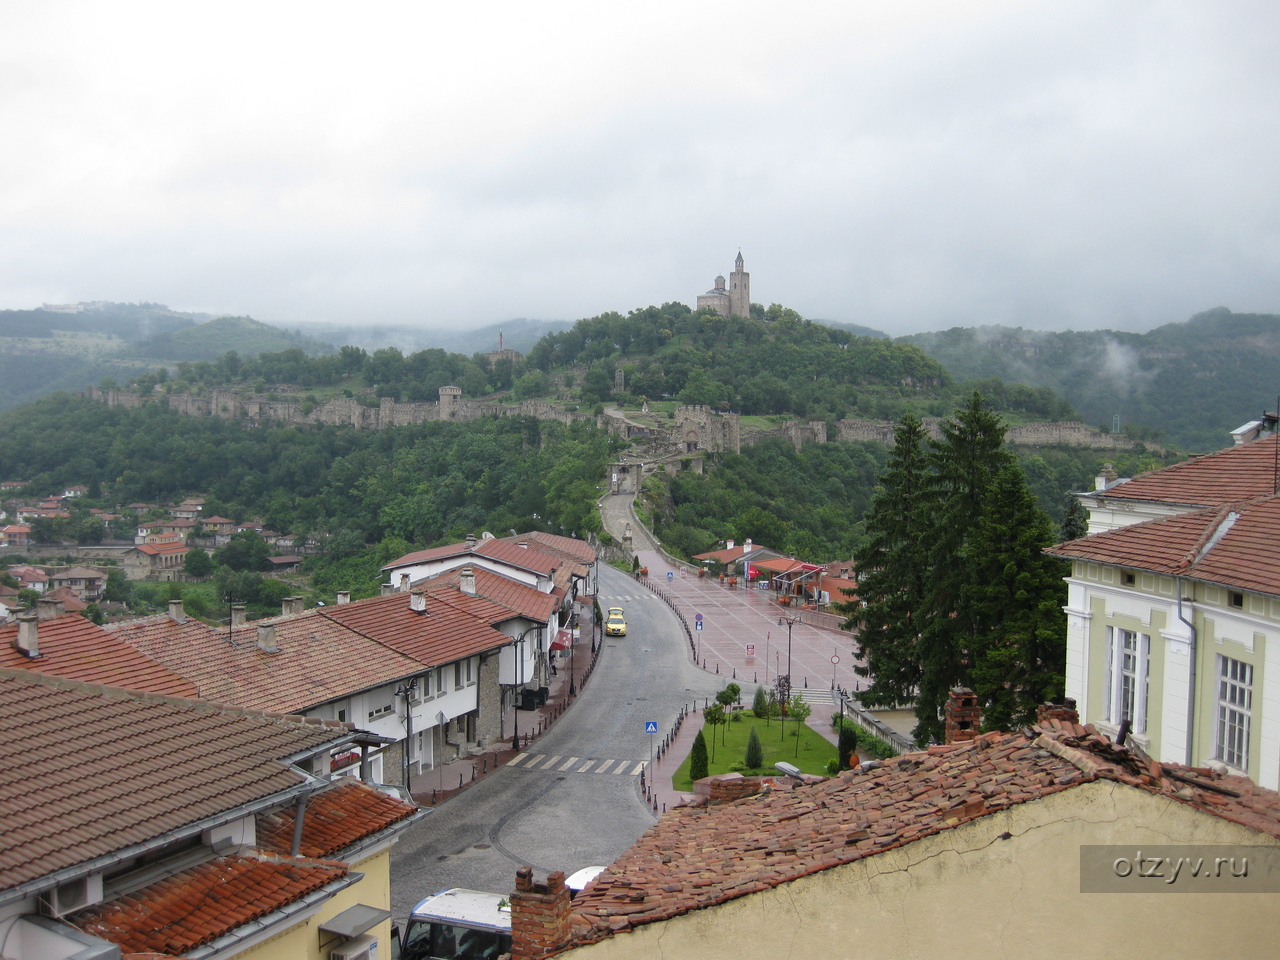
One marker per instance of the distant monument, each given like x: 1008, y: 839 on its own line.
x: 736, y: 301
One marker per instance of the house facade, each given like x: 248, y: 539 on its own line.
x: 101, y: 858
x: 1173, y: 611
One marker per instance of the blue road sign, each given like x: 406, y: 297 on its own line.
x: 651, y: 726
x: 698, y: 625
x: 697, y: 616
x: 671, y: 575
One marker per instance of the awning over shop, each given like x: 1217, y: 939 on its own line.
x: 563, y: 640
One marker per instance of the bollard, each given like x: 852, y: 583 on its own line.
x: 717, y: 666
x: 433, y: 796
x: 735, y: 673
x: 473, y: 773
x: 806, y: 683
x: 755, y: 678
x: 664, y: 806
x: 655, y: 804
x: 459, y: 781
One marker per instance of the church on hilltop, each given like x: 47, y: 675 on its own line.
x: 736, y: 301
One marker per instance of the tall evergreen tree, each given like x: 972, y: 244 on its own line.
x: 964, y: 464
x: 698, y: 757
x: 1016, y: 595
x: 893, y: 572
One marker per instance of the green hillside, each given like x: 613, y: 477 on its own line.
x: 1187, y: 384
x: 208, y: 341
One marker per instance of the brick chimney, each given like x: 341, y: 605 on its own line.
x: 344, y: 597
x: 47, y: 608
x: 418, y: 601
x: 267, y: 638
x: 1065, y: 712
x: 467, y: 581
x: 27, y: 642
x: 237, y: 615
x: 539, y: 915
x: 471, y: 540
x: 176, y: 613
x: 962, y: 715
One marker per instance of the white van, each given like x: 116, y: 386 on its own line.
x: 458, y: 924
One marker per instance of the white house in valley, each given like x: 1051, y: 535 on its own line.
x: 1173, y: 612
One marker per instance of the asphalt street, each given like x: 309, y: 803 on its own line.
x: 577, y: 803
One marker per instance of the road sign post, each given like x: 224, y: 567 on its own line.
x: 651, y: 728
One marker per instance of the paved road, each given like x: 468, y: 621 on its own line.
x: 582, y: 807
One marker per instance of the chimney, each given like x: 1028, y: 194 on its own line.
x: 175, y: 611
x: 467, y: 581
x: 418, y: 601
x: 237, y: 615
x: 544, y: 584
x: 539, y: 915
x: 47, y: 608
x: 27, y: 641
x: 386, y: 589
x: 267, y: 638
x: 1106, y: 478
x: 404, y: 582
x: 344, y: 597
x: 746, y: 545
x: 471, y: 540
x: 1065, y: 712
x: 728, y: 544
x: 962, y: 715
x: 291, y: 605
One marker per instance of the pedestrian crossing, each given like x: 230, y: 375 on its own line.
x: 816, y: 696
x: 584, y: 765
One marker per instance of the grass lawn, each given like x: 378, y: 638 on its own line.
x: 815, y: 750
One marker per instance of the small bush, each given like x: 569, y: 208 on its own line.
x: 760, y: 704
x: 698, y: 758
x: 754, y: 758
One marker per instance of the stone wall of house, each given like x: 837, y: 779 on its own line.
x: 489, y: 712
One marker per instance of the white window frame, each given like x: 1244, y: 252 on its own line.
x: 1128, y: 677
x: 1234, y: 714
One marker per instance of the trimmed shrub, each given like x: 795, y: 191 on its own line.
x: 754, y: 758
x: 698, y: 758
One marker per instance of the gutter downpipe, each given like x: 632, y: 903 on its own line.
x: 1191, y: 679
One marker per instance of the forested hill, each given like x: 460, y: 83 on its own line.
x: 752, y: 366
x: 1183, y: 383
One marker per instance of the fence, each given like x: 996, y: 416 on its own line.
x: 868, y: 722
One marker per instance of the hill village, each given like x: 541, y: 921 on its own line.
x: 270, y: 761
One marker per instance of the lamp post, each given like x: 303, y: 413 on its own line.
x: 406, y: 690
x: 515, y: 707
x: 785, y: 681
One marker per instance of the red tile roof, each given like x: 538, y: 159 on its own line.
x: 511, y: 596
x: 318, y: 660
x: 1237, y: 473
x: 144, y: 767
x: 504, y: 551
x: 347, y: 813
x: 77, y: 649
x: 1234, y: 545
x: 197, y: 906
x: 557, y: 546
x: 440, y: 634
x: 695, y: 858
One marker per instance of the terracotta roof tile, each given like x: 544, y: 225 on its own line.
x: 509, y: 597
x: 440, y: 634
x: 700, y: 856
x: 78, y: 649
x: 1237, y: 473
x: 192, y: 908
x: 144, y: 766
x: 1236, y: 545
x: 345, y: 814
x: 318, y: 659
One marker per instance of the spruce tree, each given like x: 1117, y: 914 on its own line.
x: 1016, y: 596
x: 893, y: 569
x: 760, y: 704
x: 964, y: 464
x: 847, y: 744
x: 698, y: 758
x: 754, y: 758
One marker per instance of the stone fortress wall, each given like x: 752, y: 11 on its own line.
x: 693, y: 429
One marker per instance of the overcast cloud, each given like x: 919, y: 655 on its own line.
x: 908, y: 166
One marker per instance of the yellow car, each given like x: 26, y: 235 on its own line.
x: 615, y: 625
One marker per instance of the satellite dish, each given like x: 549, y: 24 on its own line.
x: 486, y: 535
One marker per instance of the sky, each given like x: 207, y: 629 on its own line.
x: 907, y: 166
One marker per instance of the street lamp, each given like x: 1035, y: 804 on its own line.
x: 515, y: 711
x: 785, y: 682
x: 407, y: 690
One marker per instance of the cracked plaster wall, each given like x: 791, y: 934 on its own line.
x: 968, y: 893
